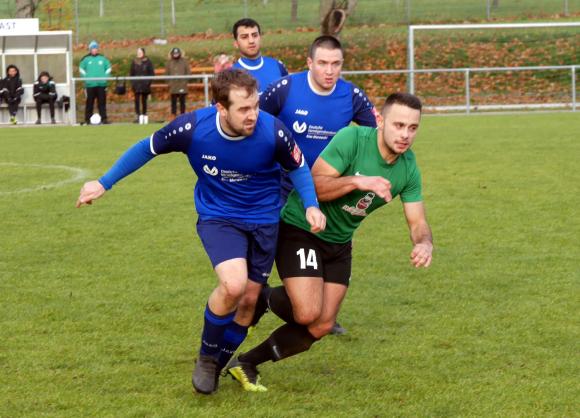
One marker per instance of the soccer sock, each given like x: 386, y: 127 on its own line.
x: 286, y: 341
x: 234, y: 335
x: 280, y: 304
x: 213, y: 331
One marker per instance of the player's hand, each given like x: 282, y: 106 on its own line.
x: 376, y: 184
x: 422, y: 255
x: 316, y: 219
x: 91, y: 190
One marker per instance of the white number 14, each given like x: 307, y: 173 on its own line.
x: 309, y: 260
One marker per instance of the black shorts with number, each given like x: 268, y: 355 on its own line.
x: 302, y: 254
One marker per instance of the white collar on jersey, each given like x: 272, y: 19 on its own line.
x: 318, y: 92
x: 251, y: 67
x: 221, y: 131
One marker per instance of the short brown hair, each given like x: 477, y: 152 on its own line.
x: 324, y: 41
x: 224, y: 81
x: 405, y: 99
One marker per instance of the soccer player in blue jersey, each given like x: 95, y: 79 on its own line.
x: 236, y: 152
x: 317, y: 103
x: 248, y: 38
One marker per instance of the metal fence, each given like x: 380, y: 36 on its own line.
x: 467, y: 101
x: 108, y: 19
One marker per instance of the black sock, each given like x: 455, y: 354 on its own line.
x: 280, y: 304
x: 286, y: 341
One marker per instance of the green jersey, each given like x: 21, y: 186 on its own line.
x: 352, y: 152
x: 95, y: 66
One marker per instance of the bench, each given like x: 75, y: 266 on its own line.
x: 157, y: 86
x: 26, y: 113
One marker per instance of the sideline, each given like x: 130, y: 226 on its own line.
x: 77, y: 174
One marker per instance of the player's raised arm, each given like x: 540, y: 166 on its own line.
x: 175, y: 136
x: 421, y: 236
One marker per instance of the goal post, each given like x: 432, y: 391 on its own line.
x: 453, y: 27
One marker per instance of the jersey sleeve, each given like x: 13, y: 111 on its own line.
x: 341, y: 151
x: 176, y: 136
x: 287, y: 152
x: 273, y: 98
x: 82, y: 67
x: 108, y: 67
x: 412, y: 191
x: 283, y: 69
x: 364, y: 112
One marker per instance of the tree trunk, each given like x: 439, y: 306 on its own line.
x: 495, y: 3
x: 26, y: 8
x: 333, y: 15
x: 294, y: 11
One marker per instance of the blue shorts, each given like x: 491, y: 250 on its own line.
x: 225, y: 239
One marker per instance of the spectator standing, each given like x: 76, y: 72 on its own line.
x: 11, y: 91
x: 141, y: 66
x: 95, y: 65
x: 44, y: 92
x: 177, y: 65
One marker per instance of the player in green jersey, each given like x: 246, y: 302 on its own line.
x: 360, y: 170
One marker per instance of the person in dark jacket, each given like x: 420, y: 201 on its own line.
x: 141, y: 66
x: 12, y: 91
x: 44, y: 92
x: 177, y: 65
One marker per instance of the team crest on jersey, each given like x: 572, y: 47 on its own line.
x: 299, y: 127
x: 297, y: 154
x: 211, y: 171
x: 361, y: 206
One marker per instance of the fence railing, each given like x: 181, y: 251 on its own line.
x: 467, y: 106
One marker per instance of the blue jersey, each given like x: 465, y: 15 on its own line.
x: 314, y: 117
x: 238, y: 177
x: 265, y: 70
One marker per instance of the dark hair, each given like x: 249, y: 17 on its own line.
x: 226, y: 80
x: 405, y: 99
x: 247, y: 22
x: 324, y: 41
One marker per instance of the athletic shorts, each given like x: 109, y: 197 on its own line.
x: 225, y: 239
x: 302, y: 254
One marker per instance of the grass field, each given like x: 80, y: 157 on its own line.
x: 101, y: 308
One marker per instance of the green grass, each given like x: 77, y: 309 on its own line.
x: 101, y: 308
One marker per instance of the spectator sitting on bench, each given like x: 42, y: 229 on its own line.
x: 12, y: 91
x: 44, y: 92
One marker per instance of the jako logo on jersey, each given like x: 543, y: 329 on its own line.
x: 211, y: 171
x: 299, y: 127
x: 208, y: 157
x: 301, y: 112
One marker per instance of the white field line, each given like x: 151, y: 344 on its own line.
x: 77, y: 174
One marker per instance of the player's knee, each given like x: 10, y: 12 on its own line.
x: 233, y: 290
x: 306, y: 315
x: 321, y: 329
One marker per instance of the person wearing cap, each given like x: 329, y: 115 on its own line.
x: 177, y: 65
x: 95, y: 65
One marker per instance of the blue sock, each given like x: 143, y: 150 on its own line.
x: 213, y: 331
x: 233, y: 337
